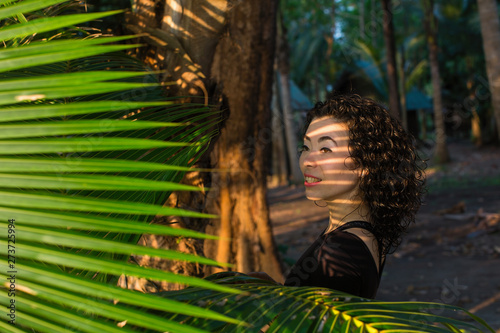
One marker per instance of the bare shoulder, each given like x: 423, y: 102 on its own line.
x: 369, y: 239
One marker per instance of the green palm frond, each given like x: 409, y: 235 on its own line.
x: 370, y: 65
x: 416, y: 74
x: 89, y: 151
x: 413, y: 42
x: 305, y: 309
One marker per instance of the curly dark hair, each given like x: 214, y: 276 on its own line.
x: 392, y: 183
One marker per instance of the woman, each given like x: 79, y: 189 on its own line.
x: 363, y: 165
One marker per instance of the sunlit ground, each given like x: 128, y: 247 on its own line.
x: 469, y: 167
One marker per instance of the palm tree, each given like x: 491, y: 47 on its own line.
x: 441, y: 154
x: 291, y: 134
x: 84, y: 165
x: 390, y: 47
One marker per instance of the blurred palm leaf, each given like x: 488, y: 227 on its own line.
x: 371, y: 66
x: 89, y: 151
x: 416, y: 74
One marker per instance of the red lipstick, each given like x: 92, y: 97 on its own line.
x: 306, y: 183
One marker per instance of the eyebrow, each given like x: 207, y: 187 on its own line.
x: 321, y: 139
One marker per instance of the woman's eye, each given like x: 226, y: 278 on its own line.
x: 303, y: 148
x: 325, y: 150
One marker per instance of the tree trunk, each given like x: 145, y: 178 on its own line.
x: 222, y: 50
x: 373, y: 23
x: 423, y: 123
x: 170, y: 51
x: 392, y: 74
x: 288, y: 119
x: 490, y: 30
x: 243, y: 70
x: 361, y: 19
x: 441, y: 153
x: 404, y: 111
x: 477, y: 137
x: 279, y: 156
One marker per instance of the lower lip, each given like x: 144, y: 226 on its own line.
x: 311, y: 184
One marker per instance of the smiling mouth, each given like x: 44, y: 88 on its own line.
x: 311, y: 180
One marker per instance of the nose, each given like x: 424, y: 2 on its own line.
x: 309, y: 160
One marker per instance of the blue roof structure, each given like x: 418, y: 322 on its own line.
x: 417, y: 100
x: 299, y: 99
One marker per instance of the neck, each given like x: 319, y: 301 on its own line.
x: 342, y: 212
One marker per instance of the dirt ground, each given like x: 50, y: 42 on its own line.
x: 451, y: 254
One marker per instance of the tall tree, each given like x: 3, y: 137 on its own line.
x: 390, y: 47
x: 224, y: 50
x: 373, y: 26
x: 463, y: 74
x: 490, y: 30
x: 243, y: 70
x: 181, y: 41
x: 361, y: 18
x: 283, y: 62
x: 430, y: 22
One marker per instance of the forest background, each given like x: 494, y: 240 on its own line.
x: 262, y: 64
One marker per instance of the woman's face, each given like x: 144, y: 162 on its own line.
x: 325, y: 162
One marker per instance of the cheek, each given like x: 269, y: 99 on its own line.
x: 301, y: 162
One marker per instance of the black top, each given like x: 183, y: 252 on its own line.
x: 338, y: 260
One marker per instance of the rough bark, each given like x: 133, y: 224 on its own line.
x: 441, y: 150
x: 390, y: 50
x: 181, y: 38
x: 223, y: 51
x: 168, y: 50
x: 184, y: 245
x: 490, y: 30
x: 243, y: 69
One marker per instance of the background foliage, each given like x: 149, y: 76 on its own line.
x: 339, y: 46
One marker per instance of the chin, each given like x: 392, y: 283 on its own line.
x: 313, y: 198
